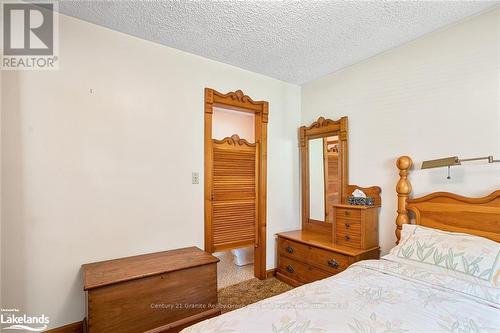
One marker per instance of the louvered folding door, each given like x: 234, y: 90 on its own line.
x: 234, y: 188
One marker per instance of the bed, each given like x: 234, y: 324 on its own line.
x: 443, y: 276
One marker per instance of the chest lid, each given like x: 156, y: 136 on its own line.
x: 108, y: 272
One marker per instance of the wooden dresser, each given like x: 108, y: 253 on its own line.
x: 157, y: 292
x: 355, y: 226
x: 305, y: 256
x: 333, y: 236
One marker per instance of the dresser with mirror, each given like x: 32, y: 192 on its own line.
x: 334, y: 233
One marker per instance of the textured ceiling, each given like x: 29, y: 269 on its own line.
x: 294, y: 41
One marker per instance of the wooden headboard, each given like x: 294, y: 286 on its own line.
x: 447, y: 211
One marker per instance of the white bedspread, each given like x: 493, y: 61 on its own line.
x: 372, y: 296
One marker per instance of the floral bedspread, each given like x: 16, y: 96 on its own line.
x: 372, y: 296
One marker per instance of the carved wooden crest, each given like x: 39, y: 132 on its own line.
x: 235, y: 100
x: 322, y: 122
x: 324, y: 126
x: 237, y: 95
x: 240, y: 96
x: 234, y: 140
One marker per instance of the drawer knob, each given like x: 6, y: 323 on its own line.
x: 346, y: 237
x: 289, y: 249
x: 290, y: 269
x: 347, y: 225
x: 333, y: 263
x: 347, y: 213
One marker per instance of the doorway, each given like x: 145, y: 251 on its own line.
x: 235, y: 178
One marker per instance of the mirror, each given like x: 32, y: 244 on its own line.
x: 323, y: 176
x: 324, y: 169
x: 316, y: 180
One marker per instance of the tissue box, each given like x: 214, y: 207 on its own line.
x: 368, y: 201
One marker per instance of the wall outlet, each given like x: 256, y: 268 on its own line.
x: 195, y: 178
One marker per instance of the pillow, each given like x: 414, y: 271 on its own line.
x: 467, y: 254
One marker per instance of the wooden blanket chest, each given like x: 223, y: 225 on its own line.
x: 157, y: 292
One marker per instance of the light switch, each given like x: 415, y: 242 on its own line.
x: 195, y: 178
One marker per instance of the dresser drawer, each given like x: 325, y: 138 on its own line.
x: 299, y: 271
x: 330, y: 261
x: 348, y: 226
x: 293, y: 249
x: 347, y: 238
x: 345, y: 213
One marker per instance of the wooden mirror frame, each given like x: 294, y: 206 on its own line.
x: 322, y: 128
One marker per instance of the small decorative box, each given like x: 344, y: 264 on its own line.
x: 368, y: 201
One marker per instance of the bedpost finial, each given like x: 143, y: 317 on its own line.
x: 404, y: 163
x: 403, y: 188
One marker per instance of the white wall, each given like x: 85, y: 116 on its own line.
x: 94, y: 176
x: 227, y: 122
x: 437, y: 96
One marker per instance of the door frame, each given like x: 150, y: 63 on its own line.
x: 238, y: 101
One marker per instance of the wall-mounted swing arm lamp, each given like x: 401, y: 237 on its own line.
x: 452, y: 161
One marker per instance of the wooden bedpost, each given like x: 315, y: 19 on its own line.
x: 403, y: 188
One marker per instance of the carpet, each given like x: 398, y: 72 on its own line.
x: 228, y: 273
x: 250, y: 291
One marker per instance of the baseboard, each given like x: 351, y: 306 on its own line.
x: 179, y: 325
x: 172, y: 327
x: 70, y: 328
x: 270, y: 273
